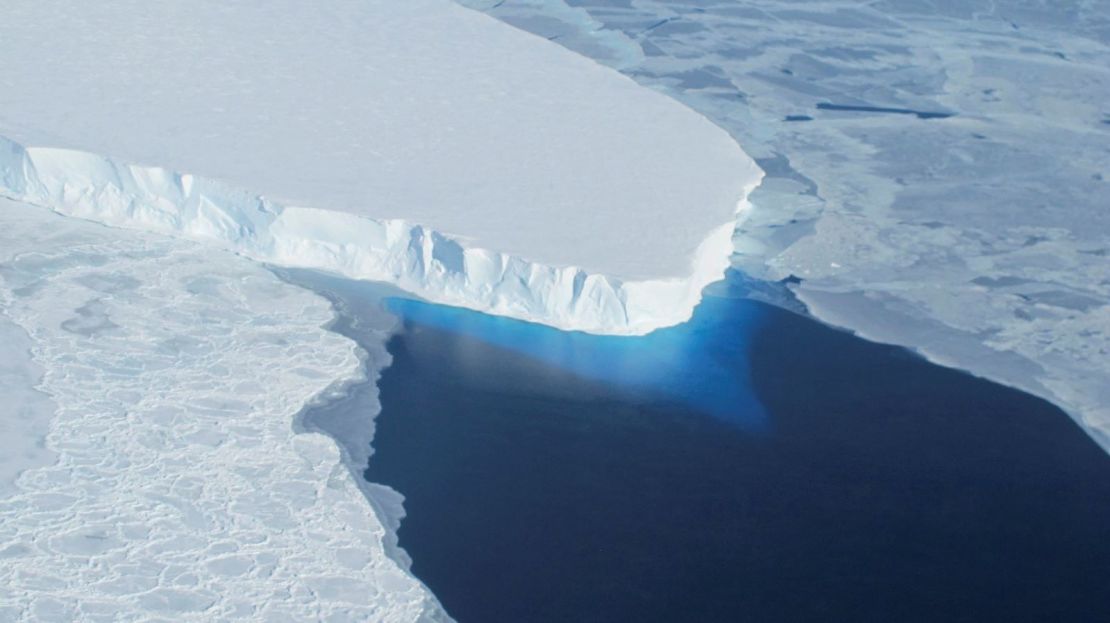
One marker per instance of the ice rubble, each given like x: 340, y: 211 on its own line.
x: 415, y: 142
x: 182, y: 490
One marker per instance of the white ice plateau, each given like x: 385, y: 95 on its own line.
x: 418, y: 143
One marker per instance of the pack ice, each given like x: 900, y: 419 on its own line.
x: 416, y: 142
x: 156, y: 472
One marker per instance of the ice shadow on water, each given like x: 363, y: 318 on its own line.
x: 689, y: 364
x: 920, y: 114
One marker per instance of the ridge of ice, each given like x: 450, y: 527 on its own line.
x: 417, y: 259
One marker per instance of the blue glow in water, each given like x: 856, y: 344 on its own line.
x: 689, y: 364
x: 546, y: 479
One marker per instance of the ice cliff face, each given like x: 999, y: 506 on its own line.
x: 462, y: 159
x: 426, y: 263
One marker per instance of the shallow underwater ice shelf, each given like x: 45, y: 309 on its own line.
x: 701, y: 365
x: 432, y: 146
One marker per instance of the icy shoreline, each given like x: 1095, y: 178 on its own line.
x: 347, y: 411
x: 420, y: 261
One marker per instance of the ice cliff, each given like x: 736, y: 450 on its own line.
x: 417, y: 259
x: 419, y: 143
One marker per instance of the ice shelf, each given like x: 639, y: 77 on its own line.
x: 419, y: 143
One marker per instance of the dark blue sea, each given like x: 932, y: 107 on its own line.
x: 751, y: 465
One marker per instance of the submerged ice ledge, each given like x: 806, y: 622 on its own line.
x: 426, y: 263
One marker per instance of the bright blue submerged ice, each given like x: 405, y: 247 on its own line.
x: 689, y: 364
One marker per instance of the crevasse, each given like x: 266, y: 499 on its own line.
x: 426, y: 263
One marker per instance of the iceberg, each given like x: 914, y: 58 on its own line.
x: 419, y: 143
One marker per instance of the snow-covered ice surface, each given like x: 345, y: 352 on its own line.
x: 938, y: 173
x: 415, y: 142
x: 181, y: 490
x: 25, y: 412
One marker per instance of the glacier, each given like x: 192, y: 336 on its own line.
x: 419, y: 143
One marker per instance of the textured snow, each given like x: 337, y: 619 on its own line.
x: 181, y: 489
x: 960, y: 209
x: 541, y: 184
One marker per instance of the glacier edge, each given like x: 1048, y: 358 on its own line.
x: 423, y: 262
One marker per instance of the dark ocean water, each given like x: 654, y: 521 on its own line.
x: 752, y: 465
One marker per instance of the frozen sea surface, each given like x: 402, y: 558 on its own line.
x: 178, y: 488
x: 25, y: 413
x: 937, y: 172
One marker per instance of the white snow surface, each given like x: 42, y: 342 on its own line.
x: 416, y: 142
x: 182, y: 490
